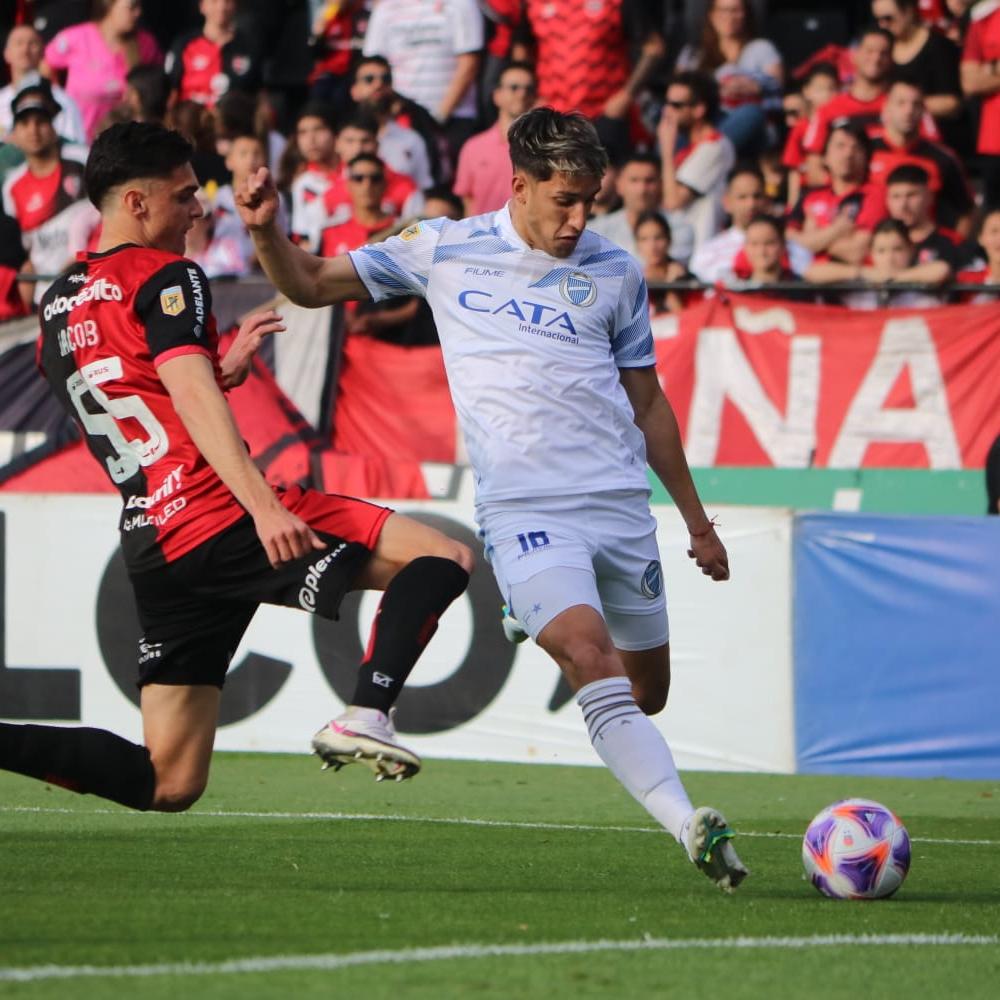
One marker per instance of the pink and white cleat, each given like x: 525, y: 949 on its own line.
x: 365, y: 735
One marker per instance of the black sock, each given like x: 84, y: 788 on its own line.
x: 88, y: 761
x: 406, y: 619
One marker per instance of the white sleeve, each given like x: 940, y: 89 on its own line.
x: 702, y: 170
x: 374, y: 44
x: 467, y: 25
x: 402, y: 264
x: 632, y: 337
x: 69, y: 121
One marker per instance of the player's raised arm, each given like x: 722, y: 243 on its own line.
x: 306, y: 279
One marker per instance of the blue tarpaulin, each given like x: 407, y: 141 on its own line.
x: 897, y: 660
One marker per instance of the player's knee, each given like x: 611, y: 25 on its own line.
x: 177, y: 794
x: 651, y: 698
x: 462, y: 554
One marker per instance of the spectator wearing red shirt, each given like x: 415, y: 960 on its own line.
x: 766, y: 260
x: 366, y: 180
x: 484, y: 172
x: 836, y: 220
x: 980, y: 71
x: 206, y: 64
x: 860, y: 104
x: 909, y: 200
x: 899, y: 141
x: 315, y: 140
x: 401, y: 197
x: 820, y: 86
x: 337, y: 31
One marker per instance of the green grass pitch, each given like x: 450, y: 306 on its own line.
x: 480, y: 880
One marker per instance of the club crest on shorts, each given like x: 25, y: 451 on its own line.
x: 172, y: 300
x: 578, y: 289
x: 652, y: 581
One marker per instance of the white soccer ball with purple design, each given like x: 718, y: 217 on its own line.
x: 856, y: 849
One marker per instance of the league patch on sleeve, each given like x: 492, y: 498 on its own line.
x: 410, y: 232
x: 172, y: 301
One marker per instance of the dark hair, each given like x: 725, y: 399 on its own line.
x: 366, y: 158
x: 524, y: 67
x: 745, y: 168
x: 153, y: 88
x: 710, y: 55
x: 874, y: 29
x: 360, y: 120
x: 368, y: 61
x: 984, y: 213
x: 318, y: 109
x: 892, y: 226
x: 653, y: 216
x: 444, y: 193
x: 704, y: 90
x: 762, y: 218
x: 855, y: 131
x: 908, y: 173
x: 649, y: 159
x: 822, y: 68
x: 544, y: 142
x: 132, y: 150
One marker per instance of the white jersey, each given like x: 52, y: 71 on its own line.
x: 532, y: 345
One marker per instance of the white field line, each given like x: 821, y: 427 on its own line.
x: 452, y: 821
x: 326, y: 963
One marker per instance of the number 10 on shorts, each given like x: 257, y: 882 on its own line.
x: 533, y: 540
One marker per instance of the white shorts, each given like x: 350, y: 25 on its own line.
x: 549, y: 554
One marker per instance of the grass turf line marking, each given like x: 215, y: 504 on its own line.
x: 326, y: 963
x: 454, y: 821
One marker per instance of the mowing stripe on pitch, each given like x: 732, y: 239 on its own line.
x: 451, y: 821
x: 326, y: 963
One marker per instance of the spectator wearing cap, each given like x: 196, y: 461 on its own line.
x: 836, y: 221
x: 97, y: 55
x: 23, y: 55
x: 900, y: 141
x: 433, y: 47
x: 694, y: 173
x: 399, y: 146
x: 315, y: 140
x: 483, y: 178
x: 45, y: 194
x: 203, y: 65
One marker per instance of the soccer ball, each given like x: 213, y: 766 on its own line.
x: 856, y: 849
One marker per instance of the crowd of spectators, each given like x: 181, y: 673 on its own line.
x: 737, y: 158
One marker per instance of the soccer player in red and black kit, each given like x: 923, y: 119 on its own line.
x: 129, y: 346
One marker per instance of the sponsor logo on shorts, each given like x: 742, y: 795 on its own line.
x: 652, y: 581
x: 172, y: 301
x: 149, y: 651
x: 314, y: 577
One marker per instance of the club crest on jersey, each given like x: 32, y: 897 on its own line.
x: 578, y: 289
x: 172, y: 301
x: 652, y: 581
x: 410, y: 232
x: 71, y: 185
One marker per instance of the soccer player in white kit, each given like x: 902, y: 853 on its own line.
x: 545, y: 332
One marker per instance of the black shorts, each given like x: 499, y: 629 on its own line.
x: 195, y: 609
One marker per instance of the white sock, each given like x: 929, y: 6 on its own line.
x: 634, y: 751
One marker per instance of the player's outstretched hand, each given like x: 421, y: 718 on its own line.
x: 257, y: 200
x: 710, y: 555
x: 285, y: 536
x: 236, y: 364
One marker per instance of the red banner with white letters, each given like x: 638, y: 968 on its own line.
x: 758, y: 381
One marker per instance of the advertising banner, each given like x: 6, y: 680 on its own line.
x: 69, y: 639
x: 762, y: 382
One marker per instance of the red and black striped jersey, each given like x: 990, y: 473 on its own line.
x: 202, y: 71
x: 107, y: 323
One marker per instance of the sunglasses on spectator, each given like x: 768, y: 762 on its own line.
x: 528, y: 88
x: 361, y: 178
x: 375, y: 78
x: 680, y: 104
x: 885, y: 19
